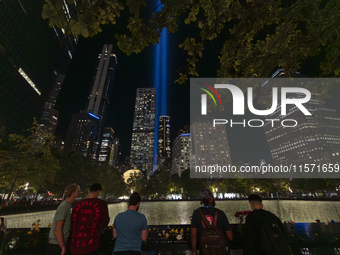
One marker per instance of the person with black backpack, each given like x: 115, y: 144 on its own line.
x: 209, y: 228
x: 264, y: 233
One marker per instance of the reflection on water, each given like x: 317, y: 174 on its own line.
x: 179, y: 212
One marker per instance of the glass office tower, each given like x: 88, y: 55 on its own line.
x: 90, y: 133
x: 141, y: 155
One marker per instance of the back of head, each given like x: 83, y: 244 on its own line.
x: 255, y: 199
x: 205, y: 195
x: 134, y: 198
x: 95, y: 187
x: 70, y: 189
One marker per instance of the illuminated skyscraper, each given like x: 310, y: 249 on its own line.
x: 315, y: 138
x: 209, y: 144
x: 31, y: 56
x: 50, y: 115
x: 106, y: 145
x: 91, y: 135
x: 53, y: 120
x: 100, y: 93
x: 141, y: 154
x: 114, y: 154
x: 79, y: 135
x: 181, y: 154
x: 164, y: 149
x: 98, y: 98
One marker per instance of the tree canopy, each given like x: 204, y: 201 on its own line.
x: 258, y: 35
x: 28, y: 158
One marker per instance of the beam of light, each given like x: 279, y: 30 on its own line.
x: 157, y: 69
x: 160, y: 81
x: 164, y: 50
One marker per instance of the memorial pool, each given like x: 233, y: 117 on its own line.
x: 179, y: 212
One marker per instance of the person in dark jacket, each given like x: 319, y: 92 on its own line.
x: 257, y: 223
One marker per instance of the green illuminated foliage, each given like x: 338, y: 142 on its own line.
x: 28, y: 158
x: 258, y: 35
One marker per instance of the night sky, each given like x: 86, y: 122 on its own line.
x: 136, y: 71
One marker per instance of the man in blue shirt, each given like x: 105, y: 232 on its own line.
x: 130, y: 229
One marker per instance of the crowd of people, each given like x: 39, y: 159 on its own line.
x: 76, y: 230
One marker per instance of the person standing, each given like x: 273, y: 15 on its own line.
x: 89, y: 217
x: 264, y: 233
x: 130, y: 229
x: 209, y: 211
x: 60, y: 229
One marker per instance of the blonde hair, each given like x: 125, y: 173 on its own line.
x: 70, y: 189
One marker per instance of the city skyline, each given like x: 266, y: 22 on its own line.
x: 236, y: 150
x: 136, y: 71
x: 61, y: 77
x: 121, y: 107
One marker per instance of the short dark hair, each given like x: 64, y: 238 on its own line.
x: 95, y: 187
x: 134, y: 198
x: 255, y: 198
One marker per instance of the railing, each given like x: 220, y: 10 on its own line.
x: 305, y: 238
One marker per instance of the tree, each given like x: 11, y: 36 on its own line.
x: 74, y: 168
x: 238, y: 185
x: 160, y: 181
x: 136, y: 182
x: 13, y: 173
x: 314, y: 185
x: 258, y: 35
x: 175, y: 184
x: 192, y: 187
x: 28, y: 158
x: 111, y: 181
